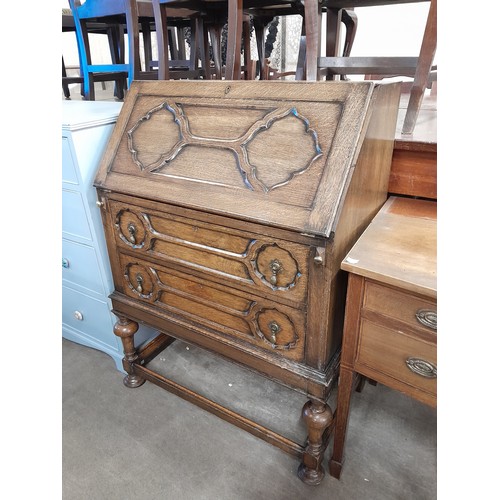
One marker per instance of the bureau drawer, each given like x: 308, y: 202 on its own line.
x: 242, y: 317
x: 401, y: 356
x: 74, y: 217
x: 69, y: 174
x: 244, y: 260
x: 414, y: 311
x: 88, y: 315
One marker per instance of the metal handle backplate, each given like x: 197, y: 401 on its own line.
x: 422, y: 367
x: 427, y: 317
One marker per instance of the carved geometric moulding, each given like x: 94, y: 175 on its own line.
x: 260, y: 149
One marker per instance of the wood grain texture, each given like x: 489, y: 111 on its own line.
x: 398, y: 250
x: 414, y: 173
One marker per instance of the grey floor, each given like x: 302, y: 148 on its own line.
x: 148, y: 443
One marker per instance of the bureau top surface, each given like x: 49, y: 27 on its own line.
x: 84, y: 114
x: 399, y: 246
x: 279, y: 153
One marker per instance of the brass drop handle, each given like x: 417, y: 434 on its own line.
x: 132, y: 230
x: 427, y: 317
x: 276, y: 267
x: 275, y: 328
x: 140, y: 281
x: 422, y: 367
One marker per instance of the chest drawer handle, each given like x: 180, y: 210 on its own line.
x: 65, y: 263
x: 78, y: 315
x: 428, y: 318
x: 274, y: 328
x: 276, y: 268
x: 140, y: 280
x: 132, y: 232
x: 422, y: 367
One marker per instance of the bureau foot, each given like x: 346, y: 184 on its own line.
x: 318, y: 417
x: 126, y: 329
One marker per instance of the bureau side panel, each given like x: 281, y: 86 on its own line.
x: 365, y: 196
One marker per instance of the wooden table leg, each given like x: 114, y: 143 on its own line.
x: 341, y: 420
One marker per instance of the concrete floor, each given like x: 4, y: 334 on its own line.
x: 121, y: 443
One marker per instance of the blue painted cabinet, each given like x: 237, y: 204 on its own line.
x: 86, y: 274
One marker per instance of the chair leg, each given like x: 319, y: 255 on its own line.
x: 234, y: 32
x: 301, y: 58
x: 215, y: 32
x: 260, y: 24
x: 312, y: 13
x: 424, y: 65
x: 65, y: 85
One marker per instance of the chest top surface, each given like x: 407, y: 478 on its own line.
x: 85, y: 114
x: 399, y: 247
x: 279, y: 153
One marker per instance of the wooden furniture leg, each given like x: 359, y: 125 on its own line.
x: 318, y: 417
x: 312, y: 16
x: 234, y: 32
x: 215, y: 31
x: 126, y: 329
x: 424, y: 65
x: 162, y: 30
x: 300, y: 73
x: 260, y: 24
x: 341, y: 420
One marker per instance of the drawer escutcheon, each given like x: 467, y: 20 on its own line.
x: 427, y: 317
x: 422, y: 367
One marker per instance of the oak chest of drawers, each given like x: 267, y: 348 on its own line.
x: 228, y: 207
x: 390, y: 331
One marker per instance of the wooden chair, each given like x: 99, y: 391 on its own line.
x: 317, y: 67
x: 68, y: 25
x: 170, y: 20
x: 113, y: 13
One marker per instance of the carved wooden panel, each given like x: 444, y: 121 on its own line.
x: 243, y: 316
x: 284, y: 151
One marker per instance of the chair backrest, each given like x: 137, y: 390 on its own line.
x: 115, y: 12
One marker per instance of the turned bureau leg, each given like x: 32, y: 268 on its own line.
x: 341, y: 420
x: 318, y: 417
x: 125, y: 329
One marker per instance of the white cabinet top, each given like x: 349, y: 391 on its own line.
x: 84, y: 114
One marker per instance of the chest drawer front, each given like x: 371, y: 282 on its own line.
x: 69, y: 174
x: 80, y: 266
x: 403, y: 357
x: 88, y: 315
x: 242, y: 317
x: 414, y: 311
x: 74, y: 217
x: 228, y: 256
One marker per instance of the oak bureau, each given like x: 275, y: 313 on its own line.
x: 228, y: 208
